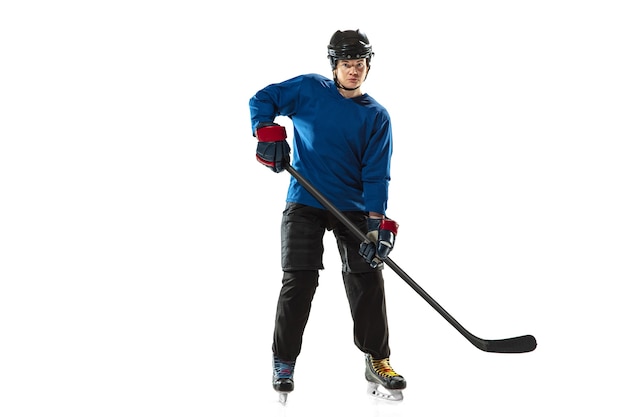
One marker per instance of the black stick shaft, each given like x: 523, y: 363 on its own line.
x: 513, y: 345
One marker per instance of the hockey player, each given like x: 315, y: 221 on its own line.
x: 342, y: 143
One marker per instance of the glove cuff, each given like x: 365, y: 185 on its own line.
x: 274, y: 133
x: 388, y: 224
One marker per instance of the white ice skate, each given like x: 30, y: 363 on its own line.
x: 283, y: 378
x: 382, y: 381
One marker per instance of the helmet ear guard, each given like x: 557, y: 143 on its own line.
x: 349, y: 44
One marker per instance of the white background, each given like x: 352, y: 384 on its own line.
x: 139, y: 238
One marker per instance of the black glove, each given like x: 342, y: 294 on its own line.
x: 382, y: 236
x: 272, y: 149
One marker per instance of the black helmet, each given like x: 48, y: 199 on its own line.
x: 349, y: 44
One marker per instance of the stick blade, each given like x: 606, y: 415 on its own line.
x: 520, y: 344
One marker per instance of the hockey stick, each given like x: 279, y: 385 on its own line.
x: 518, y: 344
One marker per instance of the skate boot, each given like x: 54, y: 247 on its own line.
x: 379, y: 373
x: 283, y: 378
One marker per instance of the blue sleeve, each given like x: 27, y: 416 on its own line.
x: 375, y: 172
x: 278, y: 99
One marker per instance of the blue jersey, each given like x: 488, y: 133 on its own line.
x: 342, y: 146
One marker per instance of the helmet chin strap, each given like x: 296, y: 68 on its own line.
x: 338, y: 84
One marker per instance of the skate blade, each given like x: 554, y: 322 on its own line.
x: 282, y: 397
x: 377, y: 391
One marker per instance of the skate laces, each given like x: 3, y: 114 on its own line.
x: 383, y: 368
x: 283, y: 369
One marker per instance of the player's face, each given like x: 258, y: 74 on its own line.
x: 351, y: 73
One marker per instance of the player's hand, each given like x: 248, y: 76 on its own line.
x: 381, y: 237
x: 272, y: 150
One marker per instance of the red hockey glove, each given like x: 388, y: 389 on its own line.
x: 382, y: 236
x: 272, y: 149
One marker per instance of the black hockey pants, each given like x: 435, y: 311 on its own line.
x: 302, y: 230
